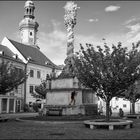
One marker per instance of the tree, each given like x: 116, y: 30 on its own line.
x: 108, y: 72
x: 133, y: 95
x: 41, y: 90
x: 10, y: 77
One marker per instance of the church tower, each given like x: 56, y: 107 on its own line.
x: 28, y: 26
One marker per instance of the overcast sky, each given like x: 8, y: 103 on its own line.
x: 113, y: 20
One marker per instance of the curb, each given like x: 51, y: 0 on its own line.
x: 49, y: 122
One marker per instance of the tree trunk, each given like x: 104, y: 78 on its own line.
x: 107, y: 110
x: 133, y: 107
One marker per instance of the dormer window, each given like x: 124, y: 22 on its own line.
x: 15, y: 56
x: 29, y: 58
x: 2, y: 52
x: 47, y: 63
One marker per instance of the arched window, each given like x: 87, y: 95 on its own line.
x: 30, y: 11
x: 27, y: 10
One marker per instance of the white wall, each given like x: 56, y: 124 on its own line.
x: 62, y: 98
x: 124, y: 104
x: 34, y: 80
x: 62, y: 83
x: 120, y: 103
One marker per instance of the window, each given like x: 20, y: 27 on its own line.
x: 124, y: 105
x: 27, y: 10
x: 16, y: 89
x: 38, y: 74
x: 18, y: 70
x: 31, y: 89
x: 30, y: 11
x: 31, y: 33
x: 30, y: 104
x: 31, y: 73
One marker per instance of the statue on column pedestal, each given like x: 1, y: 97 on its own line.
x: 70, y: 22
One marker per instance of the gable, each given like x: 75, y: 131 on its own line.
x: 27, y: 52
x: 13, y: 49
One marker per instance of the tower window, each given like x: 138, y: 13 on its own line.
x: 31, y: 33
x: 30, y: 11
x: 27, y: 10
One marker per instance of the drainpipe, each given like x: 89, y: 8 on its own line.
x: 25, y: 85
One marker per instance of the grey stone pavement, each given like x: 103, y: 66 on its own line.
x: 24, y: 114
x: 18, y: 115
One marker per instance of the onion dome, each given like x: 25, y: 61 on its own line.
x: 28, y: 22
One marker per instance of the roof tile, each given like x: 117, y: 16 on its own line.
x: 36, y: 56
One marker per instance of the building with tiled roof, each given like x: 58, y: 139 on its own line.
x: 35, y: 55
x: 36, y: 63
x: 27, y: 53
x: 12, y: 102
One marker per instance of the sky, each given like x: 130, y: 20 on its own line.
x: 114, y: 21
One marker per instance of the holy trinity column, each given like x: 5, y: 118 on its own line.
x: 70, y: 22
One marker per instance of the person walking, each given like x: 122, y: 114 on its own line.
x: 73, y: 94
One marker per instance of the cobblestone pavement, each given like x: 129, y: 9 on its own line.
x: 73, y: 130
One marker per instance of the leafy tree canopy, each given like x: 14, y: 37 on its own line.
x: 133, y: 92
x: 10, y: 77
x: 107, y: 71
x: 41, y: 90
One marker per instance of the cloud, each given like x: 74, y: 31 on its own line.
x: 83, y: 39
x: 53, y: 44
x: 133, y: 29
x: 17, y: 35
x: 133, y: 19
x: 55, y: 24
x: 93, y: 20
x: 133, y: 35
x: 42, y: 25
x: 112, y: 8
x: 112, y: 38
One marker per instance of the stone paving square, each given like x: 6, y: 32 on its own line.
x: 49, y: 130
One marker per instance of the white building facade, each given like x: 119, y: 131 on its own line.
x: 12, y: 101
x: 36, y: 64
